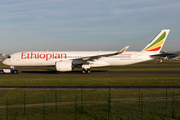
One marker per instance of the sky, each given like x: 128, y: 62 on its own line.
x: 86, y: 25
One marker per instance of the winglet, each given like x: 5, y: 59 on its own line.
x: 124, y: 49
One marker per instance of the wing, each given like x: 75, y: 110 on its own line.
x: 91, y: 58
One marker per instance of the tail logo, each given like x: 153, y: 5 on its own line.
x: 123, y: 50
x: 156, y: 45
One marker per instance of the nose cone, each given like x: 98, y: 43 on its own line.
x: 5, y: 62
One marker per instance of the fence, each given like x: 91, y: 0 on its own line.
x: 110, y: 104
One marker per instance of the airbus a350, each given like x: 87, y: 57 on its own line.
x: 67, y: 61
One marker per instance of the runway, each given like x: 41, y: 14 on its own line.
x: 51, y: 71
x: 94, y: 87
x: 93, y: 73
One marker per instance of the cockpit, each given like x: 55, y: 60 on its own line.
x: 9, y: 56
x: 7, y: 60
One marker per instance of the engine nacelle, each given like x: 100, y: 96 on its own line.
x: 64, y: 65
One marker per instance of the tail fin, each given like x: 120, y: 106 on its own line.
x: 156, y: 44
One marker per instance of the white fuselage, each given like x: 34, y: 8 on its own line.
x: 47, y: 58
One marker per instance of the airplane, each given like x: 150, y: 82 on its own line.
x: 65, y: 61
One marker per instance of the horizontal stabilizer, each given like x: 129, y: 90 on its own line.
x: 162, y: 55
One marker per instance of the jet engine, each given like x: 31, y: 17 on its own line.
x: 64, y: 65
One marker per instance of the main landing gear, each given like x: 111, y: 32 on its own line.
x: 86, y: 71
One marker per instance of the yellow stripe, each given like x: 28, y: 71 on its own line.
x: 157, y: 45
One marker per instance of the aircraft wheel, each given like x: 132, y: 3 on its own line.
x: 1, y: 72
x: 83, y: 71
x: 15, y: 72
x: 88, y: 71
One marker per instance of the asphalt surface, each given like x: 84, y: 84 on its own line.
x: 97, y: 72
x: 93, y: 73
x: 92, y: 87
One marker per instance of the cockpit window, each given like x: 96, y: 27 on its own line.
x: 9, y: 57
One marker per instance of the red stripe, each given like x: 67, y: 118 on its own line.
x: 155, y: 49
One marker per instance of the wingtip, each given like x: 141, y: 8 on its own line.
x: 127, y: 47
x: 167, y: 30
x: 124, y: 49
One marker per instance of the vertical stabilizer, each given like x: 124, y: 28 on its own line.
x: 156, y: 44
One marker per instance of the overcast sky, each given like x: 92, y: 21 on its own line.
x: 80, y: 25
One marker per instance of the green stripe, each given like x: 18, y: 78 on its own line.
x: 158, y: 40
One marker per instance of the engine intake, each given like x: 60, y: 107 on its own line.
x: 64, y: 65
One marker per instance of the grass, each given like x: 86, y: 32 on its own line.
x: 124, y: 102
x: 99, y: 112
x: 47, y: 80
x: 16, y: 96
